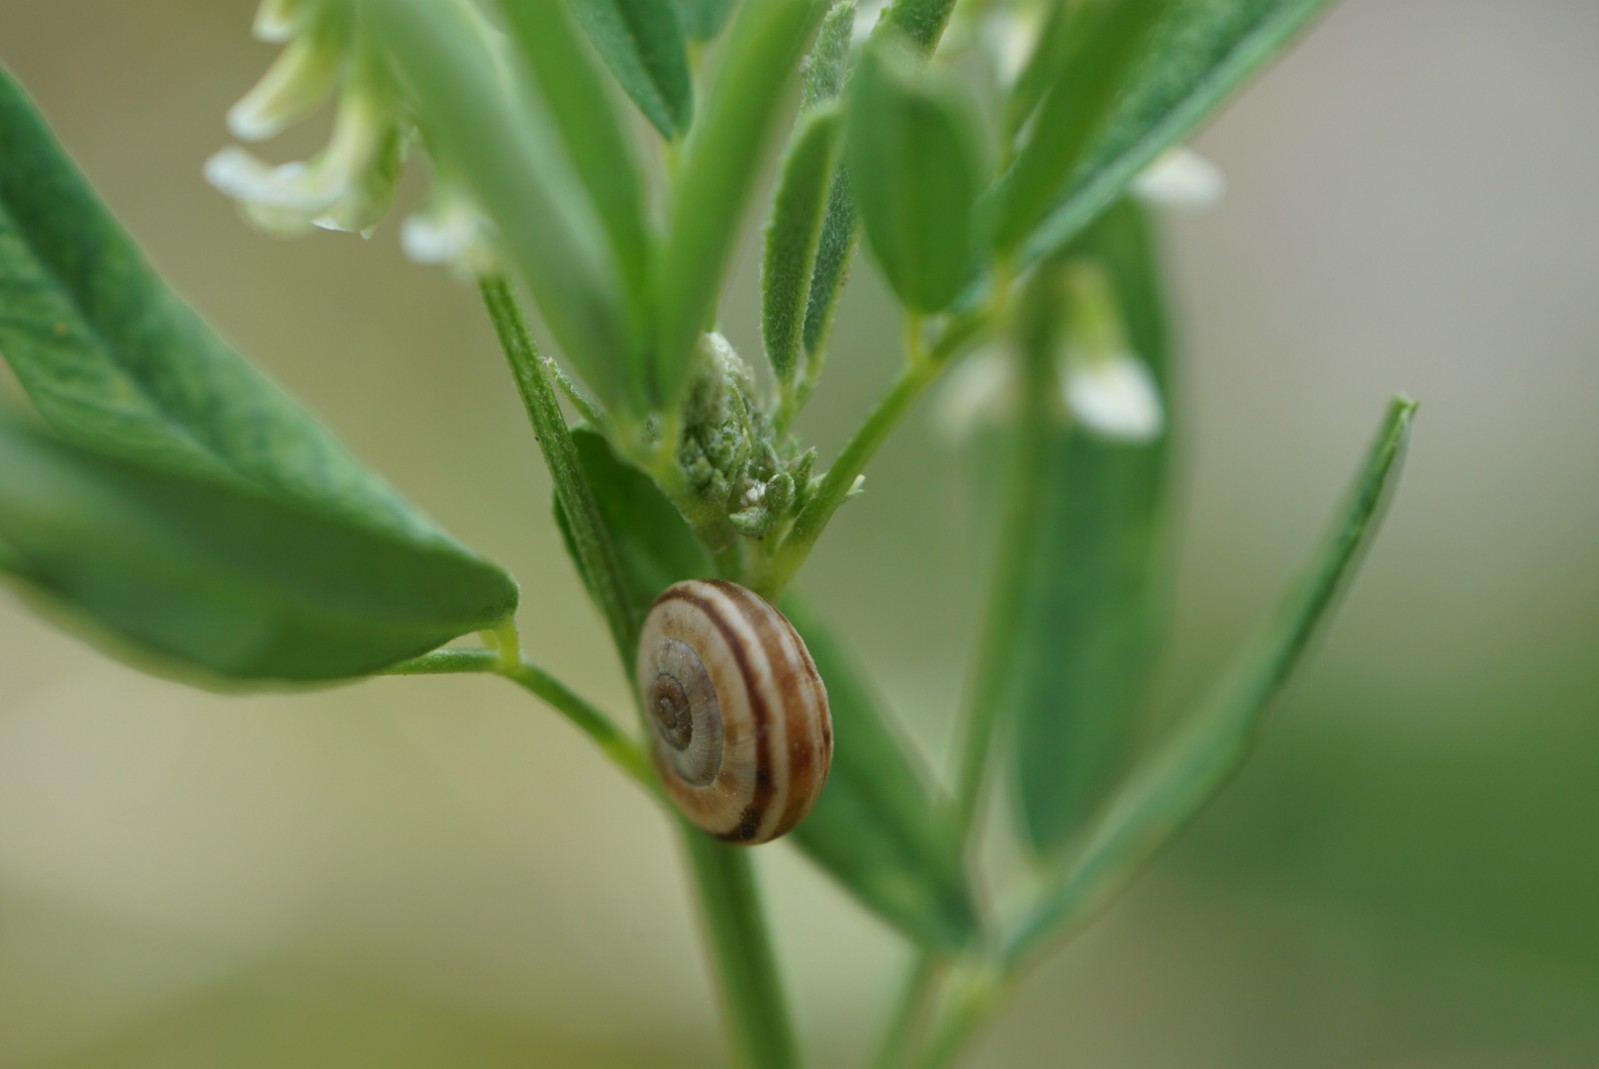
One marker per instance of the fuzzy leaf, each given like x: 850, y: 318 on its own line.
x: 1202, y: 52
x: 720, y: 161
x: 880, y: 828
x: 921, y: 22
x: 642, y: 42
x: 1174, y: 782
x: 793, y: 232
x: 1088, y: 637
x: 213, y: 573
x: 825, y: 70
x: 914, y: 166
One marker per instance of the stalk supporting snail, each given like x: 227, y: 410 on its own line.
x: 738, y: 720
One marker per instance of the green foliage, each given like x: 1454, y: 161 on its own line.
x: 507, y: 150
x: 720, y: 161
x: 1197, y: 57
x: 1088, y: 620
x: 1171, y: 784
x: 703, y: 19
x: 642, y: 42
x: 224, y: 577
x: 825, y: 71
x: 1081, y: 91
x: 915, y: 169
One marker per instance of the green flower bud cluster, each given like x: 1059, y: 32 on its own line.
x: 727, y: 450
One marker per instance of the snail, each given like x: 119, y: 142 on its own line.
x: 736, y: 713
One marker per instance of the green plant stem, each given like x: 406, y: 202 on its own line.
x: 596, y: 555
x: 614, y: 743
x: 730, y: 910
x: 909, y: 1006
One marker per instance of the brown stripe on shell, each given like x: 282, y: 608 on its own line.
x: 753, y: 814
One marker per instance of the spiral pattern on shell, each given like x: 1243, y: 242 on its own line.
x: 738, y: 718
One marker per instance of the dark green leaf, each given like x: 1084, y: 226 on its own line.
x: 914, y: 165
x: 703, y: 19
x: 720, y: 161
x: 825, y: 71
x: 1081, y: 93
x: 1051, y: 50
x: 505, y: 147
x: 642, y: 42
x: 1087, y: 638
x: 793, y: 232
x: 112, y: 357
x: 576, y: 90
x: 1195, y: 761
x: 1202, y: 51
x: 217, y: 574
x: 879, y: 828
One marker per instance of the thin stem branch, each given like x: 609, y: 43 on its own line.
x: 595, y: 553
x: 614, y: 743
x: 730, y: 911
x: 909, y: 1006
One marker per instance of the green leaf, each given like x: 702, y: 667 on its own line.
x: 577, y: 93
x: 793, y: 232
x: 1198, y: 56
x: 1081, y: 93
x: 880, y: 828
x: 702, y: 20
x: 642, y: 42
x: 1089, y: 619
x: 720, y: 161
x: 504, y: 146
x: 1175, y: 781
x: 220, y: 575
x: 827, y: 65
x: 921, y: 22
x: 112, y: 357
x: 914, y: 164
x: 825, y: 70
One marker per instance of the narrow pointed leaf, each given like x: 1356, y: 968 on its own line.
x: 1088, y: 636
x: 574, y: 86
x: 702, y: 20
x: 212, y: 573
x: 921, y: 22
x: 880, y: 828
x: 793, y: 232
x: 1074, y: 108
x: 1176, y: 780
x: 642, y: 42
x: 111, y: 356
x: 485, y: 125
x: 1201, y: 53
x: 914, y: 167
x: 720, y: 161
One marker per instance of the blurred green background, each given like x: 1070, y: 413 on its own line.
x: 440, y: 872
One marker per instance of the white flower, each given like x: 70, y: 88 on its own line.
x: 277, y: 21
x: 451, y: 230
x: 1182, y: 179
x: 981, y: 391
x: 1112, y: 395
x: 301, y: 78
x: 1009, y: 36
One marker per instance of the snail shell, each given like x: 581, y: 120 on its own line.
x: 737, y: 716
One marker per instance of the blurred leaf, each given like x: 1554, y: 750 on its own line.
x: 642, y: 42
x: 703, y: 19
x: 921, y: 22
x: 1060, y: 32
x: 1092, y: 70
x: 879, y: 828
x: 1089, y: 619
x: 577, y: 92
x: 1185, y: 771
x: 112, y: 357
x: 793, y: 232
x: 219, y: 575
x: 504, y: 146
x: 1200, y: 53
x: 720, y: 160
x: 914, y: 165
